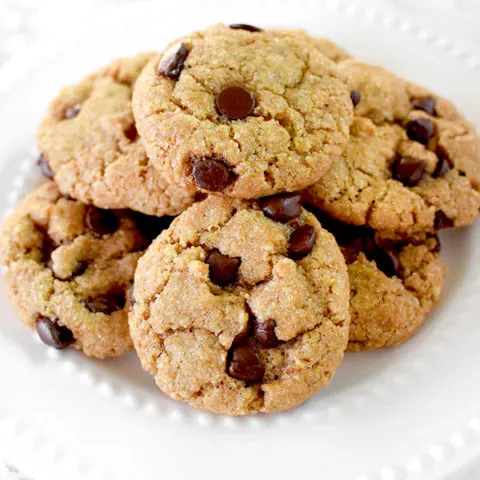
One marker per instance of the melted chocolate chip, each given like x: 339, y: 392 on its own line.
x: 444, y: 164
x: 212, y: 174
x: 223, y: 269
x: 244, y: 26
x: 442, y: 221
x: 427, y: 104
x: 420, y: 130
x: 245, y: 364
x: 242, y: 338
x: 356, y: 96
x: 302, y: 241
x: 131, y: 132
x: 72, y: 112
x: 48, y: 246
x: 408, y: 170
x: 282, y: 208
x: 345, y: 233
x: 171, y: 64
x: 235, y: 102
x: 100, y: 221
x: 53, y: 334
x: 149, y: 226
x: 44, y: 166
x: 387, y: 261
x: 265, y: 333
x: 107, y: 304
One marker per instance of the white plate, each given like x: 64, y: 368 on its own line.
x: 411, y: 412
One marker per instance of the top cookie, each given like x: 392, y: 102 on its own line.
x: 412, y: 164
x: 244, y: 113
x: 240, y: 307
x: 90, y: 145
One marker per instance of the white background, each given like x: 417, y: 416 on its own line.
x: 24, y: 22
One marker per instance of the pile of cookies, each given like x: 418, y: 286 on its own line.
x: 240, y: 209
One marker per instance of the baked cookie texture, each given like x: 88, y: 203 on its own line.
x: 246, y: 113
x: 69, y: 267
x: 228, y: 320
x: 412, y: 164
x: 393, y: 285
x: 325, y: 46
x: 91, y: 147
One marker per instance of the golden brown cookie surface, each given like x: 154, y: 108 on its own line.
x: 412, y: 164
x: 69, y: 268
x: 90, y: 145
x: 242, y: 308
x: 244, y: 113
x: 393, y: 286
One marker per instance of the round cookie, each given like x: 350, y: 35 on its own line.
x: 242, y: 308
x: 412, y: 164
x: 393, y: 285
x: 325, y: 46
x: 246, y: 113
x: 69, y: 267
x: 90, y: 145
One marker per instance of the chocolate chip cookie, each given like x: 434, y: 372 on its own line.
x: 393, y: 285
x: 244, y: 112
x: 90, y: 145
x: 412, y: 164
x: 242, y: 308
x: 69, y: 268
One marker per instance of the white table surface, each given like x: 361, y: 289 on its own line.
x: 24, y: 22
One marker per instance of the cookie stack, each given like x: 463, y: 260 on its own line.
x: 308, y: 189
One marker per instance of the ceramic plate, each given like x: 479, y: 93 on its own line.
x: 405, y: 413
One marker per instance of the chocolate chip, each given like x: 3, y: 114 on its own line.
x: 212, y: 174
x: 345, y: 233
x: 171, y: 64
x: 72, y: 112
x: 301, y: 241
x: 48, y: 246
x: 387, y: 261
x: 265, y: 333
x: 282, y: 208
x: 100, y: 221
x: 356, y: 96
x: 242, y: 338
x: 106, y: 304
x: 245, y: 364
x: 408, y: 170
x: 442, y: 221
x: 427, y: 104
x: 244, y: 26
x: 149, y: 226
x: 235, y: 102
x: 131, y: 132
x: 223, y: 269
x: 53, y: 334
x: 444, y: 165
x: 420, y: 130
x: 44, y: 166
